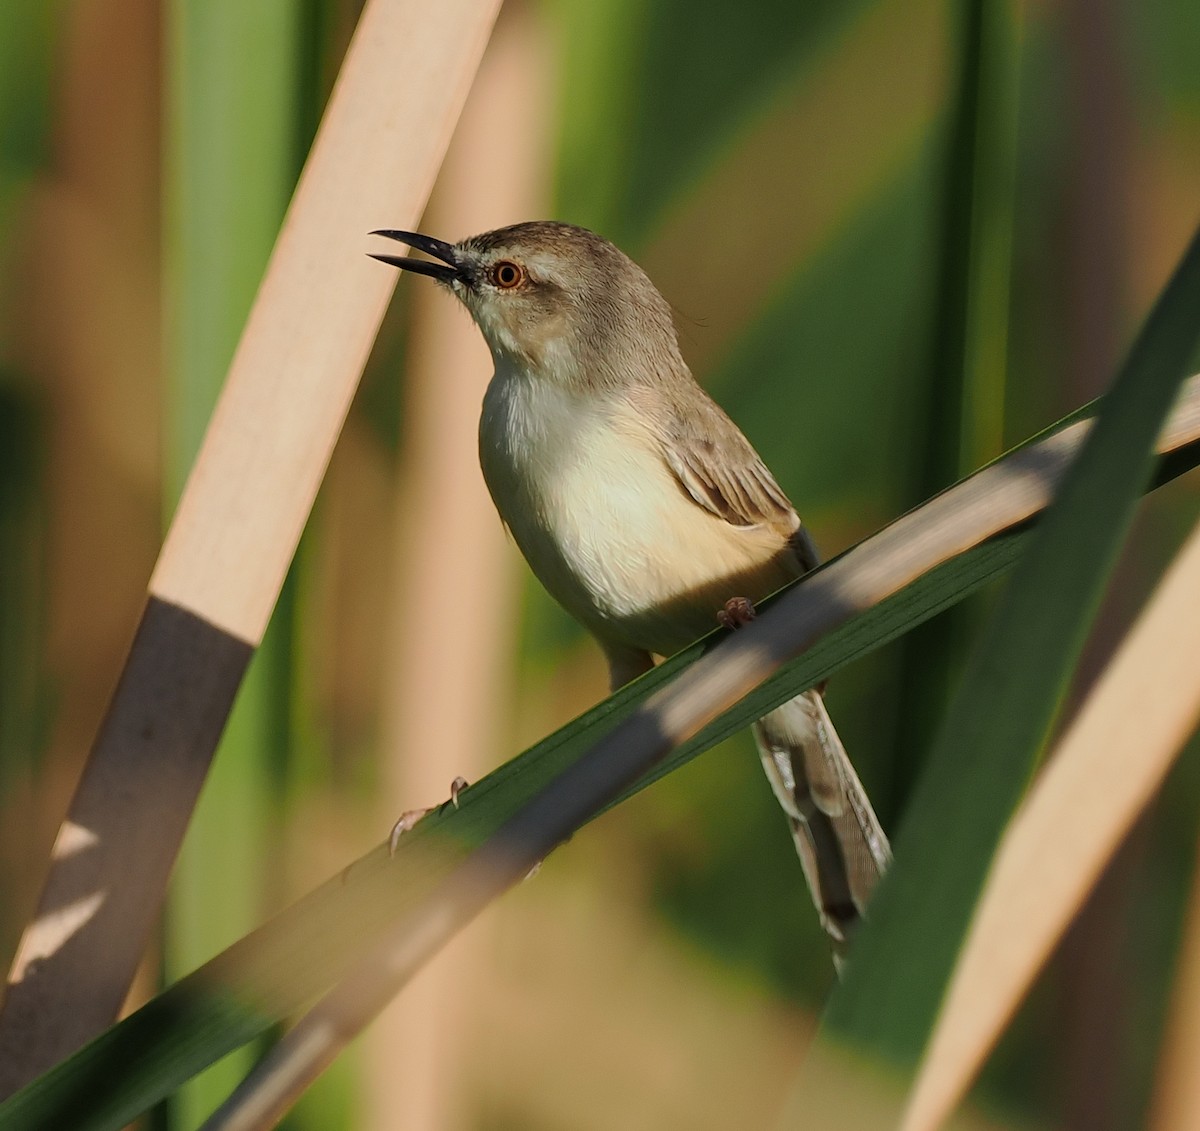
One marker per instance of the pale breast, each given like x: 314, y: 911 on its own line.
x: 582, y: 485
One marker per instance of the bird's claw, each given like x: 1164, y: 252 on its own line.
x: 408, y: 819
x: 738, y: 612
x: 407, y: 822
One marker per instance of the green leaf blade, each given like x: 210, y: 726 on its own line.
x: 295, y: 956
x: 1010, y: 696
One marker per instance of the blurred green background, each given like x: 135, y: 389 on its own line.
x: 899, y: 236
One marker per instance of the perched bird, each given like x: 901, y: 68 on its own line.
x: 640, y: 505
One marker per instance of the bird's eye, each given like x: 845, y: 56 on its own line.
x: 506, y: 274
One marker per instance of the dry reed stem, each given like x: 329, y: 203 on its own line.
x: 1105, y: 770
x: 388, y: 122
x: 454, y: 604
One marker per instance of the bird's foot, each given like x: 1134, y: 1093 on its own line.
x: 738, y: 612
x: 407, y: 822
x: 408, y: 819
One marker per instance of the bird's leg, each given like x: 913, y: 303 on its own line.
x: 738, y: 611
x: 408, y: 819
x: 625, y: 663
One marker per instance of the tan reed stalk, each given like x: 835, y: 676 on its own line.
x: 1105, y: 770
x: 455, y: 597
x: 385, y: 131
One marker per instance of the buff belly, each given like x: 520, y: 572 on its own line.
x: 591, y: 503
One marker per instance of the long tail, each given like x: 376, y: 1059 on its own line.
x: 842, y: 847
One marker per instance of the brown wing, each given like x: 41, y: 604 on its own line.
x: 717, y: 467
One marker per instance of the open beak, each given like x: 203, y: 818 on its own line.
x: 444, y: 272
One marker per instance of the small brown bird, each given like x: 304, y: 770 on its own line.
x: 640, y: 505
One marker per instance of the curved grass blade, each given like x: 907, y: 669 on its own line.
x: 280, y: 967
x: 1002, y: 716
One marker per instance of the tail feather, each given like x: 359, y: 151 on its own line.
x: 842, y: 847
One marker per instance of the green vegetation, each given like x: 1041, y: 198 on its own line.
x: 900, y: 237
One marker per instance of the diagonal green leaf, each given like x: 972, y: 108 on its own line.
x: 1001, y: 718
x: 302, y: 951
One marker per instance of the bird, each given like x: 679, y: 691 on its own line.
x: 640, y: 505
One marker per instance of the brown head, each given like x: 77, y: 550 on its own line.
x: 557, y: 300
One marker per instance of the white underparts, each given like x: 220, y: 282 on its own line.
x: 580, y: 481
